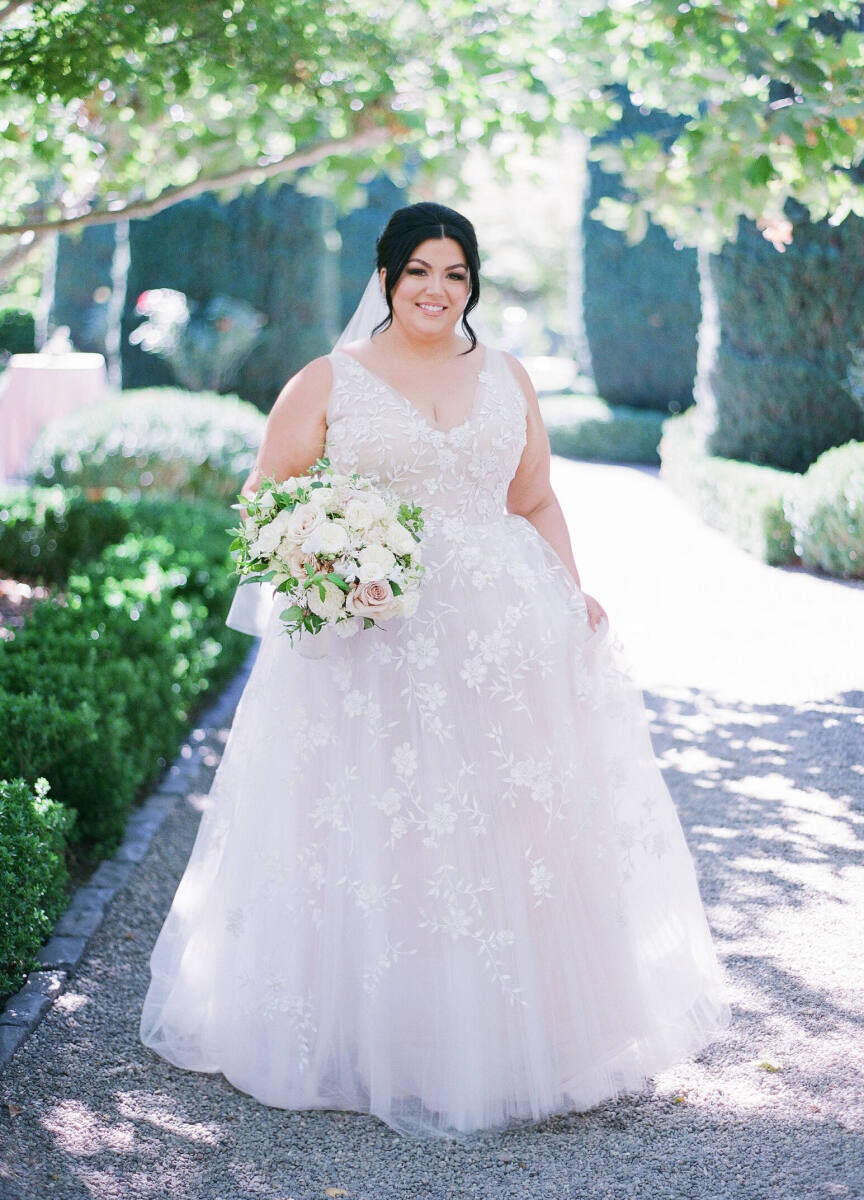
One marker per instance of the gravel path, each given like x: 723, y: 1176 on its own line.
x: 770, y: 792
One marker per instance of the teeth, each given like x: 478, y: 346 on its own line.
x: 432, y: 307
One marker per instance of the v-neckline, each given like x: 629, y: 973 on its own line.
x: 413, y: 407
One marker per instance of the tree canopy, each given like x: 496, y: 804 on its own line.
x: 116, y: 108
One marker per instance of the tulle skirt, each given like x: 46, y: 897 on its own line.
x: 439, y: 877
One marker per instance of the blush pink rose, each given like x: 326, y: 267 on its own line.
x: 372, y: 599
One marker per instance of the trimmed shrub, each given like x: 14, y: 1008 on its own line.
x: 33, y: 875
x: 788, y: 326
x: 641, y: 302
x: 46, y: 532
x: 271, y: 246
x: 17, y: 331
x: 740, y: 499
x: 587, y: 427
x: 82, y: 285
x: 97, y: 687
x: 198, y: 446
x: 827, y: 512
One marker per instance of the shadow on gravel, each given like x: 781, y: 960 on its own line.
x: 227, y: 1147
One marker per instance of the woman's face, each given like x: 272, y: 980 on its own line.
x: 432, y: 291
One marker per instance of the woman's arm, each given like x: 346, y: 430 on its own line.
x: 530, y: 494
x: 296, y: 427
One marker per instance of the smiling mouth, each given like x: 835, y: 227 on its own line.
x: 433, y: 309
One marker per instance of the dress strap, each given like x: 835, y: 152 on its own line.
x: 497, y: 364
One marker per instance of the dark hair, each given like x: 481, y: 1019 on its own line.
x: 404, y: 232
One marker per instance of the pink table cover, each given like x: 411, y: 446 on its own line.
x: 37, y: 388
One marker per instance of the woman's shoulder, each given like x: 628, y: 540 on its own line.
x: 311, y: 384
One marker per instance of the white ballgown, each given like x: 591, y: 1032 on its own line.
x: 439, y: 876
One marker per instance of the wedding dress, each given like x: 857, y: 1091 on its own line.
x: 439, y: 877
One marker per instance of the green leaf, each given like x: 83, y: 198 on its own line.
x: 760, y: 170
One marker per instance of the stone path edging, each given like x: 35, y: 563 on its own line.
x: 67, y: 945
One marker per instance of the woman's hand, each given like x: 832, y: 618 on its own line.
x: 596, y: 611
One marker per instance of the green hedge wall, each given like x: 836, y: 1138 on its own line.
x: 267, y: 246
x: 358, y: 232
x: 97, y: 687
x: 33, y: 834
x: 586, y: 427
x: 287, y: 254
x: 787, y: 322
x: 641, y: 303
x: 82, y: 283
x: 17, y: 331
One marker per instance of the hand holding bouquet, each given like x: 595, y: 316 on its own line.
x: 343, y: 552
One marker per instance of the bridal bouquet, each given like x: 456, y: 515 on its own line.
x: 342, y: 551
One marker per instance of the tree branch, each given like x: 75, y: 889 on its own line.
x: 18, y: 253
x: 137, y: 209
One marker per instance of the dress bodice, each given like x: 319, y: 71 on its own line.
x: 461, y: 472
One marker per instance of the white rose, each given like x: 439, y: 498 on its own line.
x: 322, y: 497
x: 377, y: 505
x: 332, y: 604
x: 266, y: 542
x: 302, y: 521
x: 295, y: 559
x: 380, y: 555
x: 329, y: 538
x: 358, y: 515
x: 399, y: 539
x: 345, y: 567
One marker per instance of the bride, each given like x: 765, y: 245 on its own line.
x: 439, y: 877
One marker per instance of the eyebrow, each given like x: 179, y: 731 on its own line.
x: 450, y: 268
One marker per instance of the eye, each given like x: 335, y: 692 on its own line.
x: 416, y: 271
x: 458, y: 278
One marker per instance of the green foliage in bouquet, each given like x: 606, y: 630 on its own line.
x: 154, y: 440
x: 33, y: 833
x: 254, y: 560
x: 827, y: 512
